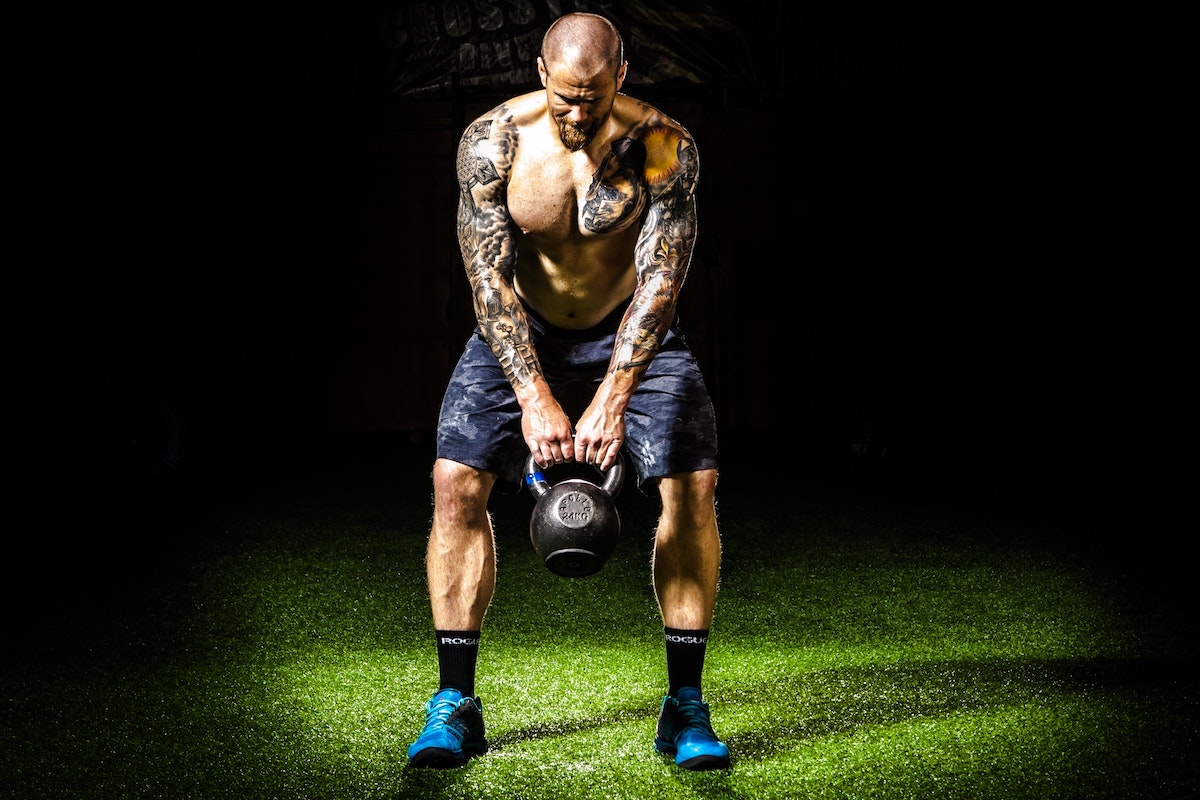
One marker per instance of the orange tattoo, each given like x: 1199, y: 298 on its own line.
x: 662, y: 154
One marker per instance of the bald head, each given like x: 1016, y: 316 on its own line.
x: 584, y: 44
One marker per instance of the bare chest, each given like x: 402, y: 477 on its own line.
x: 571, y: 196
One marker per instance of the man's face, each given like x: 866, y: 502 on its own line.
x: 579, y: 107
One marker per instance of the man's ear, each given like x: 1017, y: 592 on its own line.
x: 620, y: 73
x: 542, y: 71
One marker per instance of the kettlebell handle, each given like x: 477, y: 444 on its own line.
x: 614, y: 476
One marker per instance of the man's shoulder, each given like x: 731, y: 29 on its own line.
x: 516, y: 111
x: 671, y: 155
x: 495, y: 135
x: 641, y: 118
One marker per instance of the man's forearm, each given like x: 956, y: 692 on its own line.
x: 505, y: 327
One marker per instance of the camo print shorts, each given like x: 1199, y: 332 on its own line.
x: 670, y: 424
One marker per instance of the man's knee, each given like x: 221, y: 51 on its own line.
x: 688, y: 488
x: 459, y: 489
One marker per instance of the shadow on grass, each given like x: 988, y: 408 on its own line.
x: 831, y: 703
x: 544, y: 731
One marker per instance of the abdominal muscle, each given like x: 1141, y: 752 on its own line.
x: 580, y: 284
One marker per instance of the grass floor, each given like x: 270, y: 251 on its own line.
x: 270, y: 638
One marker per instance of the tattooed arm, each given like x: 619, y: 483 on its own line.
x: 661, y: 259
x: 489, y: 252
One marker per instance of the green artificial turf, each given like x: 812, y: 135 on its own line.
x: 860, y: 649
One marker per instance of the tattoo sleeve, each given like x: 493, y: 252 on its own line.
x: 487, y: 243
x: 664, y: 247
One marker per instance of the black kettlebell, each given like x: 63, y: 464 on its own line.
x: 574, y: 526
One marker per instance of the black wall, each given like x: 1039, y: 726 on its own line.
x: 894, y: 270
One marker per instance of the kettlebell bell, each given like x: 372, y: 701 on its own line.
x: 574, y: 527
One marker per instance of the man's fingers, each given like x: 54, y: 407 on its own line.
x: 548, y: 453
x: 601, y: 454
x: 609, y: 454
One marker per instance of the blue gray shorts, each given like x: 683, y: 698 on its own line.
x: 670, y: 425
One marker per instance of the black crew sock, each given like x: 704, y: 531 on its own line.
x: 685, y: 658
x: 457, y: 652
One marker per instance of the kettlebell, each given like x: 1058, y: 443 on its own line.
x: 574, y: 527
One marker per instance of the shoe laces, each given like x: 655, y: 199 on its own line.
x: 694, y: 714
x: 438, y: 711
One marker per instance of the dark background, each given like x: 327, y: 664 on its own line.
x: 902, y: 227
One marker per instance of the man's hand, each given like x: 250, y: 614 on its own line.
x: 599, y: 436
x: 547, y: 431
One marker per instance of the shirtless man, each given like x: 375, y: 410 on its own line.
x: 576, y: 221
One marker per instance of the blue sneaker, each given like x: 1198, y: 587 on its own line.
x: 453, y: 731
x: 684, y: 731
